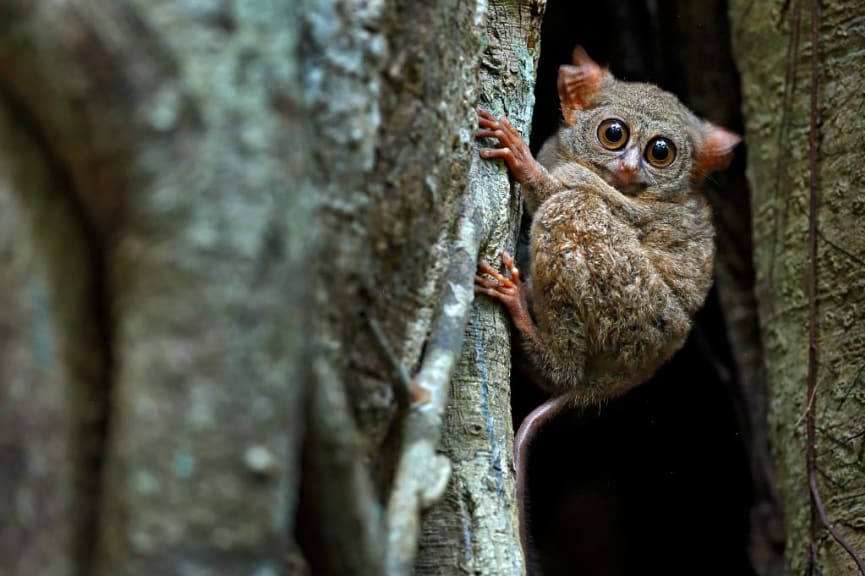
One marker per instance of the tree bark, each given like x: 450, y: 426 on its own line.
x: 274, y: 230
x: 189, y: 188
x: 393, y: 179
x: 476, y: 527
x: 772, y: 46
x: 50, y: 364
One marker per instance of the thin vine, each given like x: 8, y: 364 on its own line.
x: 817, y: 507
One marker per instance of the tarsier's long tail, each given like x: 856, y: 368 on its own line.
x: 527, y: 432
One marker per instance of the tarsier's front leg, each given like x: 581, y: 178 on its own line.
x: 537, y: 182
x: 514, y: 151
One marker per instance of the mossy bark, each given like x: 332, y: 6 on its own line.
x: 774, y: 61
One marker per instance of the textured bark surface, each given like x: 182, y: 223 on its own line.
x: 475, y: 528
x: 478, y: 511
x: 776, y: 110
x: 391, y: 187
x: 187, y: 185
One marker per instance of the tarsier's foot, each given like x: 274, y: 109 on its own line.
x: 508, y: 290
x: 514, y: 151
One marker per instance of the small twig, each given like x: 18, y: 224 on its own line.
x: 849, y: 439
x: 811, y: 456
x: 849, y: 389
x: 821, y: 510
x: 808, y: 408
x: 858, y: 260
x: 404, y: 389
x: 422, y: 474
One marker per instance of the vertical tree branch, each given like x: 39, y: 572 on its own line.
x: 422, y: 474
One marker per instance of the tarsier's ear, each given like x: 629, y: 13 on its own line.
x: 579, y: 83
x: 716, y: 151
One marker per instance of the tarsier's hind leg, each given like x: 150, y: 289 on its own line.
x: 559, y: 277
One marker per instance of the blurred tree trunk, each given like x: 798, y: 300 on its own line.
x: 48, y: 377
x: 230, y: 229
x: 162, y: 233
x: 772, y: 46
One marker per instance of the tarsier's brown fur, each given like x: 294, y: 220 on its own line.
x: 619, y: 265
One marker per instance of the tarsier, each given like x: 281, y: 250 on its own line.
x: 621, y: 245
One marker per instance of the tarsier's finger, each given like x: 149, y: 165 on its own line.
x: 487, y: 269
x: 489, y: 134
x: 507, y: 288
x: 511, y: 266
x: 577, y: 75
x: 489, y: 292
x: 496, y: 153
x: 487, y: 283
x: 512, y: 137
x: 506, y: 124
x: 491, y: 124
x: 484, y: 114
x: 507, y: 127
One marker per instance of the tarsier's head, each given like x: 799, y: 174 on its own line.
x: 637, y: 137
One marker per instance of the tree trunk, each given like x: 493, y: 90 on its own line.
x: 49, y: 364
x: 773, y: 49
x: 183, y: 296
x: 231, y: 228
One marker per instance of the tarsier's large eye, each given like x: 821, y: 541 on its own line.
x: 613, y: 134
x: 660, y: 152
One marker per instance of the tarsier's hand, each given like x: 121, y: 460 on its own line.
x: 514, y: 151
x: 508, y: 290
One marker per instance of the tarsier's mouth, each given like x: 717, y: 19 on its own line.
x: 627, y: 185
x: 632, y: 189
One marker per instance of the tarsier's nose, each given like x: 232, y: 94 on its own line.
x: 626, y: 172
